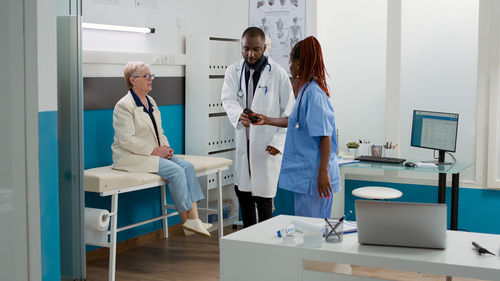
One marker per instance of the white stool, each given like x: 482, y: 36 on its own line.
x: 377, y: 192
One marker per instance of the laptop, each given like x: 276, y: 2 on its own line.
x: 419, y: 225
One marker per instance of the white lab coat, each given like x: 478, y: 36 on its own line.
x: 274, y: 98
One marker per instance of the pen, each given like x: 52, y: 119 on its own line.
x: 265, y: 89
x: 480, y: 250
x: 338, y: 222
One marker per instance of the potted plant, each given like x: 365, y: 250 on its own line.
x: 352, y: 148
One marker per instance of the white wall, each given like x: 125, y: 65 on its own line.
x: 439, y: 50
x: 430, y: 63
x: 47, y: 56
x: 172, y: 19
x: 353, y: 38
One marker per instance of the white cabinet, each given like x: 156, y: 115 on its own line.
x: 207, y: 128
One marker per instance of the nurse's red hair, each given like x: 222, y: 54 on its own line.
x: 308, y: 53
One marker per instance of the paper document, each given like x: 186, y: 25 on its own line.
x: 425, y: 165
x: 342, y: 161
x: 306, y: 225
x: 350, y: 227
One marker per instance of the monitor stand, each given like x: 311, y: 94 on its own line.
x: 440, y: 160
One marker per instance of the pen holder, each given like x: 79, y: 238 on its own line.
x: 364, y: 149
x: 335, y: 234
x: 352, y: 152
x: 392, y: 153
x: 376, y: 150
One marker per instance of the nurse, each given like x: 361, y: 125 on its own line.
x: 309, y: 168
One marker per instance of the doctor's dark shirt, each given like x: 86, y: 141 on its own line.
x: 258, y: 67
x: 148, y: 111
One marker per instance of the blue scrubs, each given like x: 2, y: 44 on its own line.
x: 314, y: 115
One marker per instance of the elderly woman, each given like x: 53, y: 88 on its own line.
x: 140, y: 146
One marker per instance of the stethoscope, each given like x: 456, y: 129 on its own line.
x: 240, y: 90
x: 297, y: 126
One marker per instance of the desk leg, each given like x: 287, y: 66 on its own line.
x: 164, y: 210
x: 442, y: 188
x: 454, y: 201
x: 219, y: 203
x: 112, y: 237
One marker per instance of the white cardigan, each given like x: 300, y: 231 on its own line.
x: 135, y: 136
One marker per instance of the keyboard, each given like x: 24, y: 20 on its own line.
x: 379, y: 159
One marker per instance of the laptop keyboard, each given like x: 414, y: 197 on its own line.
x: 379, y: 159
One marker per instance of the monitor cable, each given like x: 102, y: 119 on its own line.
x: 451, y: 155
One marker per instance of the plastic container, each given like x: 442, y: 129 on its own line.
x: 226, y: 210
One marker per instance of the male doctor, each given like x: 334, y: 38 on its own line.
x: 257, y: 83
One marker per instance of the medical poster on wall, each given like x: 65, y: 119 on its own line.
x: 283, y: 22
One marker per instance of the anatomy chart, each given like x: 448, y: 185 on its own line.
x: 283, y: 22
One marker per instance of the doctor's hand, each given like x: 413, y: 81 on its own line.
x: 324, y: 186
x: 272, y: 150
x: 244, y: 120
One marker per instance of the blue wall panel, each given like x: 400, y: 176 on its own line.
x: 283, y: 203
x: 134, y: 206
x: 49, y: 195
x: 478, y: 209
x: 97, y: 137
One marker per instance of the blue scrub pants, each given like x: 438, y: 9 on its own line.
x: 182, y: 182
x: 312, y: 206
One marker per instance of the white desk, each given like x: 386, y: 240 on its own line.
x: 255, y: 253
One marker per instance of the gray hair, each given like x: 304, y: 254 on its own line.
x: 133, y: 68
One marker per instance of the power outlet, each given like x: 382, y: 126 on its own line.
x: 107, y: 2
x: 146, y: 3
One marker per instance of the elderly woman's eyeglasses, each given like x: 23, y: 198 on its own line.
x: 147, y: 76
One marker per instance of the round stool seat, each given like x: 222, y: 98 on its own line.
x: 377, y: 192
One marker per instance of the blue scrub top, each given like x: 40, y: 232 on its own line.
x: 301, y: 157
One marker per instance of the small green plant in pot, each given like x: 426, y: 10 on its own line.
x: 352, y: 144
x: 352, y: 148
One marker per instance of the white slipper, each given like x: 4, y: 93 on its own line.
x: 197, y: 226
x: 205, y: 224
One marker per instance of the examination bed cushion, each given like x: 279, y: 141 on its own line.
x: 105, y: 178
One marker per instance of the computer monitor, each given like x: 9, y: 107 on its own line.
x: 435, y: 130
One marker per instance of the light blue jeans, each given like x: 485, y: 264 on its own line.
x: 182, y: 182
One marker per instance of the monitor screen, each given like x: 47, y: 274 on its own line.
x: 434, y: 130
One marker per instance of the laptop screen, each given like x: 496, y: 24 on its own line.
x: 420, y: 225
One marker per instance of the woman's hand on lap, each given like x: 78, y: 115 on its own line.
x: 163, y: 151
